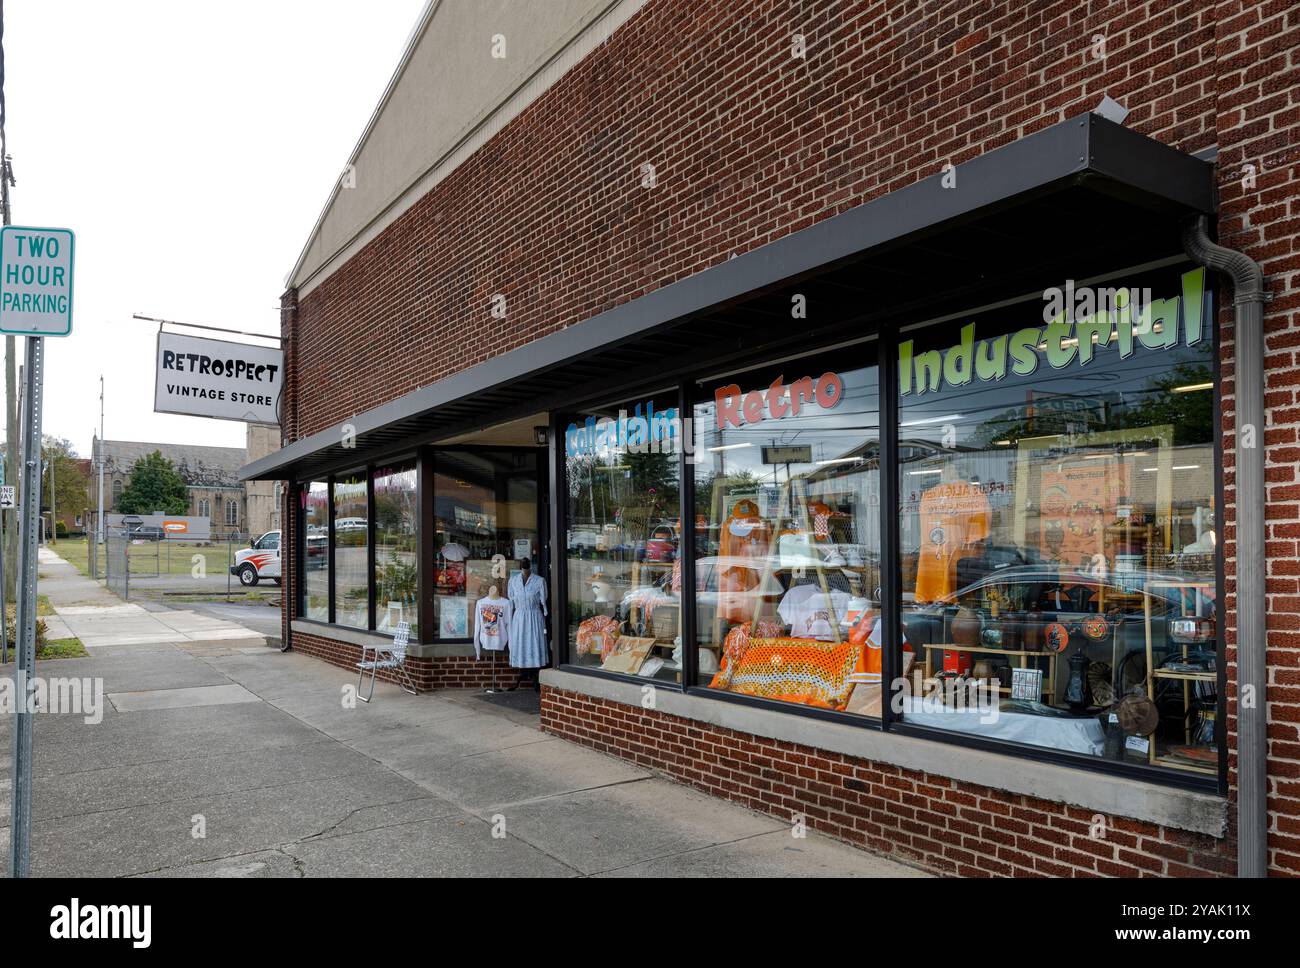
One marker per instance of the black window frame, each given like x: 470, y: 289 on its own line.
x: 303, y: 488
x: 409, y: 460
x: 884, y: 355
x: 541, y: 567
x: 560, y: 421
x: 892, y: 630
x: 300, y: 544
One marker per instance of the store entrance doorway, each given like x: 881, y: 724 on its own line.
x: 490, y: 499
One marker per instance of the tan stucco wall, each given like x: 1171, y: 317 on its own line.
x: 262, y: 508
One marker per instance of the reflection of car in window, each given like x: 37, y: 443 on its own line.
x: 584, y: 540
x: 662, y: 544
x: 317, y: 551
x: 1040, y: 608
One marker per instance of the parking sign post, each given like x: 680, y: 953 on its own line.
x: 35, y: 301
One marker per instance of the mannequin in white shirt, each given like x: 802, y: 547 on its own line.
x: 502, y: 625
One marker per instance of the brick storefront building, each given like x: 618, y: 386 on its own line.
x: 619, y: 213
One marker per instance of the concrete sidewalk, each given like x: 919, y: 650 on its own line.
x: 229, y: 760
x: 87, y: 611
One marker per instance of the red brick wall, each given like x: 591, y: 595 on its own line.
x: 750, y: 144
x: 451, y: 672
x: 920, y: 818
x: 1257, y: 117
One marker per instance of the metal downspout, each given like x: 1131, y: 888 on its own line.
x: 1252, y: 662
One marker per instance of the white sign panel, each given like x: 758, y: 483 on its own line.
x: 214, y: 378
x: 7, y: 498
x: 35, y: 281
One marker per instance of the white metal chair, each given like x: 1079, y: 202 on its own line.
x: 388, y: 655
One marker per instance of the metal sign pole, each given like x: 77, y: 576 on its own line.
x: 4, y: 606
x: 20, y: 826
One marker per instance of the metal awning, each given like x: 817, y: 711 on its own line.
x: 1077, y: 199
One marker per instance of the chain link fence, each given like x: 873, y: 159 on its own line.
x: 117, y: 571
x: 142, y: 562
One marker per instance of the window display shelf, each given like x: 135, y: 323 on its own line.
x: 1174, y: 763
x: 1049, y: 678
x: 1191, y: 676
x: 1188, y: 678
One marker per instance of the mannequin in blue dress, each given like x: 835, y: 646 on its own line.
x: 527, y: 594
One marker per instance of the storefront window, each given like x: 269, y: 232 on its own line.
x: 624, y: 534
x: 1059, y: 524
x: 315, y: 595
x: 787, y: 539
x: 396, y: 554
x: 351, y: 554
x: 486, y: 519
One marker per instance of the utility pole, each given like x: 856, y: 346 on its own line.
x: 101, y: 459
x: 54, y: 498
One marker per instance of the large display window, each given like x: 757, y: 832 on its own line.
x: 351, y: 551
x: 623, y: 541
x: 485, y: 520
x: 1058, y: 524
x: 1009, y: 542
x: 396, y: 577
x: 787, y: 535
x: 314, y: 594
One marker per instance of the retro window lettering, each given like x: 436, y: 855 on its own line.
x: 736, y: 408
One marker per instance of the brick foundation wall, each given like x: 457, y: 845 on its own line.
x: 930, y: 821
x: 750, y: 144
x: 428, y: 674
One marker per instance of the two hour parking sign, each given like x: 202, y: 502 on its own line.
x: 36, y: 281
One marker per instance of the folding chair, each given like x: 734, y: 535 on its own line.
x: 387, y: 656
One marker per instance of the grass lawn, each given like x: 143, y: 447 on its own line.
x: 238, y: 596
x: 62, y: 649
x: 150, y: 558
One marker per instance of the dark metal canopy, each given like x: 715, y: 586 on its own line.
x: 1075, y: 200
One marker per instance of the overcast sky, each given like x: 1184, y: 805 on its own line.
x: 191, y: 147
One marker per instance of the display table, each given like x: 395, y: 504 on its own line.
x: 1074, y: 734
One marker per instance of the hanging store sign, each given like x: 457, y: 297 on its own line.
x: 214, y: 378
x: 1082, y: 323
x: 36, y: 281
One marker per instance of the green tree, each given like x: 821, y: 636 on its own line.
x: 154, y: 485
x: 71, y: 484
